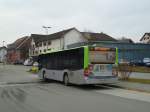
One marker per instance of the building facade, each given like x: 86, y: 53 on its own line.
x: 145, y: 38
x: 17, y: 52
x: 3, y: 53
x: 61, y: 40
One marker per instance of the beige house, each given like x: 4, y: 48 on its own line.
x: 61, y: 40
x: 146, y: 38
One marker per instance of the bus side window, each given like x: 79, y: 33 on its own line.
x: 49, y: 61
x: 40, y: 66
x: 60, y: 61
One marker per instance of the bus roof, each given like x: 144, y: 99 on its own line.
x: 49, y: 52
x: 62, y: 50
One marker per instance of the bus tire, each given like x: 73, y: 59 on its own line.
x: 66, y: 79
x: 43, y: 74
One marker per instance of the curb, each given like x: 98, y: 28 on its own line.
x: 128, y: 88
x: 144, y: 81
x: 138, y: 90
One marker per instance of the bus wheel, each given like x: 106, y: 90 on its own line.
x: 66, y: 80
x: 44, y: 78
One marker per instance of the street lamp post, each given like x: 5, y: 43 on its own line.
x: 46, y: 29
x: 3, y: 43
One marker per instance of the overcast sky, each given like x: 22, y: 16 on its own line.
x: 117, y: 18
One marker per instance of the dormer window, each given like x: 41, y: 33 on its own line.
x: 49, y: 42
x: 44, y: 43
x: 39, y: 44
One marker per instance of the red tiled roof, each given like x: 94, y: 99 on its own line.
x: 17, y: 43
x: 38, y: 38
x: 90, y: 36
x: 97, y: 36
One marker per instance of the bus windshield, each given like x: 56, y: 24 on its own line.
x: 102, y: 56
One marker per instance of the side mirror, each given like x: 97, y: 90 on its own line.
x: 40, y: 66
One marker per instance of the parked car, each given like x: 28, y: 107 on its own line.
x: 28, y: 62
x: 146, y: 61
x: 36, y: 64
x: 18, y: 62
x: 123, y: 62
x: 136, y: 63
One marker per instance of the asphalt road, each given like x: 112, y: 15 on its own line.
x: 21, y: 91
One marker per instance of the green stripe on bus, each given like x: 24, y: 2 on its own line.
x: 54, y: 51
x: 86, y: 56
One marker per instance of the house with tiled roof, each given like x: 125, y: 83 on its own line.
x: 90, y: 36
x: 17, y: 52
x: 61, y: 40
x: 125, y: 40
x: 145, y: 38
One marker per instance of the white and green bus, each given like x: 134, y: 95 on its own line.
x: 83, y: 65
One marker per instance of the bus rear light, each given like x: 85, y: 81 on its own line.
x: 90, y: 67
x: 88, y: 70
x: 114, y: 73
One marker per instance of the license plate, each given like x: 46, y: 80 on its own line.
x: 102, y: 68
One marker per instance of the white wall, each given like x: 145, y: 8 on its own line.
x: 146, y: 39
x: 55, y: 45
x: 31, y: 50
x: 73, y: 37
x: 3, y: 53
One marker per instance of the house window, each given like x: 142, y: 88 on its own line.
x: 36, y: 52
x: 49, y: 42
x: 33, y: 46
x: 40, y: 51
x: 40, y: 44
x: 44, y: 43
x: 44, y: 50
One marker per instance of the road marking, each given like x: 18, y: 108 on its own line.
x: 14, y: 85
x: 129, y: 94
x: 8, y: 84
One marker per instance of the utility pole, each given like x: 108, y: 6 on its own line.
x: 3, y: 43
x: 46, y: 29
x: 3, y: 55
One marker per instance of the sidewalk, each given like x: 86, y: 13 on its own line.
x: 133, y: 86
